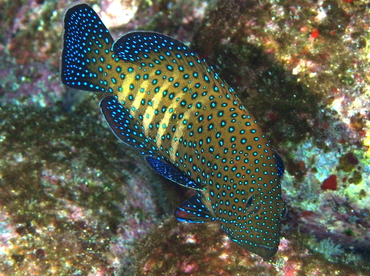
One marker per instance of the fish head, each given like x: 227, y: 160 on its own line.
x: 254, y: 224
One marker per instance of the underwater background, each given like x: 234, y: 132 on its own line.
x: 74, y: 200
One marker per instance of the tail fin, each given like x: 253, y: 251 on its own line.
x: 87, y: 55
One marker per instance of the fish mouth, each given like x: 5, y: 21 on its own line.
x: 264, y: 251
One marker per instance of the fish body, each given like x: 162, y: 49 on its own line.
x: 189, y: 124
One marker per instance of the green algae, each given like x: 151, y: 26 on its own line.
x: 356, y: 178
x: 65, y: 175
x: 201, y: 249
x: 67, y: 143
x: 349, y: 232
x: 261, y: 82
x: 56, y: 168
x: 255, y: 49
x: 347, y: 162
x: 35, y: 37
x: 177, y: 248
x: 167, y: 16
x: 335, y: 22
x: 35, y: 141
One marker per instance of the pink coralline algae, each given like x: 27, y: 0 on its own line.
x: 330, y: 183
x: 183, y: 249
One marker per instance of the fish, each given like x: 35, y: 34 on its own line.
x: 189, y: 125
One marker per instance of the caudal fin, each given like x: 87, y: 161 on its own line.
x: 87, y: 56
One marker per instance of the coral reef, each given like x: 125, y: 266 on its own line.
x: 75, y: 201
x: 184, y: 249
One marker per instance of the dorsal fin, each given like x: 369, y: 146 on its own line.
x: 141, y: 46
x: 163, y: 54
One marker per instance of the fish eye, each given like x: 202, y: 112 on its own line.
x: 249, y: 201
